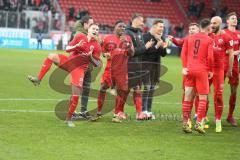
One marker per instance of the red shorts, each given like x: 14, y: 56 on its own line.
x: 106, y: 77
x: 217, y: 80
x: 120, y: 81
x: 77, y: 77
x: 77, y: 74
x: 234, y: 79
x: 198, y: 80
x: 183, y: 84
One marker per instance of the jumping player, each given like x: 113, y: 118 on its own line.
x: 84, y: 49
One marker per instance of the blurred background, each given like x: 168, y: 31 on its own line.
x: 22, y: 22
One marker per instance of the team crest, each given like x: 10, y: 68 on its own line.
x: 220, y: 41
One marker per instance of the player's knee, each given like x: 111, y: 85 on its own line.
x: 53, y: 57
x: 187, y: 98
x: 202, y: 97
x: 188, y: 95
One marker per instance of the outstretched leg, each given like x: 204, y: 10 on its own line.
x: 52, y: 58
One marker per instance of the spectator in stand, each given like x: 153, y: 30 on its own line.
x: 1, y: 5
x: 38, y: 3
x: 31, y: 3
x: 179, y: 30
x: 13, y: 5
x: 65, y: 39
x: 200, y: 8
x: 192, y: 8
x: 216, y: 3
x: 6, y: 5
x: 23, y: 20
x: 71, y: 24
x: 39, y: 40
x: 2, y: 20
x: 56, y: 22
x: 82, y: 13
x: 40, y: 25
x: 214, y: 12
x: 71, y: 12
x: 224, y: 11
x: 12, y: 19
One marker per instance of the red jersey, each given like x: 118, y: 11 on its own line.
x: 84, y: 49
x: 118, y: 60
x: 235, y: 36
x: 222, y: 43
x: 197, y: 52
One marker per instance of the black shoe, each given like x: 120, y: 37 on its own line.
x: 76, y: 116
x: 85, y: 115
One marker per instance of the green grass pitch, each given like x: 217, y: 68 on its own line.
x: 29, y: 129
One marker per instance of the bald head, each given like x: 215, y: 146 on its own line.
x: 216, y: 23
x: 217, y: 19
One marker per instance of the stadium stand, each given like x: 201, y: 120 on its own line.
x: 107, y: 11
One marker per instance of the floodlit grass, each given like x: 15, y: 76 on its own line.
x: 29, y: 129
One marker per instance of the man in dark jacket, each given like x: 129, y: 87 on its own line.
x: 151, y: 64
x: 134, y: 63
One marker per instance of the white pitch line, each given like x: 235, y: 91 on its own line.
x: 91, y: 100
x: 29, y: 99
x: 33, y: 99
x: 25, y: 111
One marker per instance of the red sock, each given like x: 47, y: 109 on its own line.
x: 120, y: 101
x: 218, y: 105
x: 232, y: 103
x: 101, y: 98
x: 201, y: 110
x: 118, y: 107
x: 123, y: 100
x: 186, y: 110
x: 196, y: 103
x: 137, y: 101
x: 72, y: 106
x: 45, y: 67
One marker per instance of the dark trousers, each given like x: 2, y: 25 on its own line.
x: 86, y: 90
x: 150, y: 79
x: 39, y: 44
x: 147, y: 98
